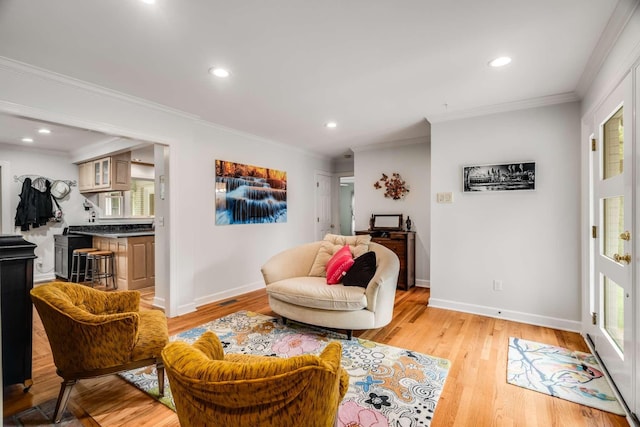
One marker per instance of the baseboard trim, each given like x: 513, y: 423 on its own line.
x: 42, y: 278
x: 421, y: 283
x: 186, y: 309
x: 218, y: 296
x: 516, y: 316
x: 158, y: 302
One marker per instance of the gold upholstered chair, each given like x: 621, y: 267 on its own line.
x: 94, y: 333
x: 213, y: 389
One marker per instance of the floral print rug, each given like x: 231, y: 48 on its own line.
x: 388, y: 386
x: 559, y: 372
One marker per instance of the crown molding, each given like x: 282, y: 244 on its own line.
x: 616, y: 24
x: 257, y: 138
x: 31, y: 70
x: 542, y: 101
x: 31, y: 149
x: 391, y: 144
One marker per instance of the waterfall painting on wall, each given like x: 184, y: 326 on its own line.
x: 248, y: 194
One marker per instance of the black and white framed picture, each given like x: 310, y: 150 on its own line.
x: 516, y: 176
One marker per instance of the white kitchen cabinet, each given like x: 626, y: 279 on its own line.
x: 111, y: 173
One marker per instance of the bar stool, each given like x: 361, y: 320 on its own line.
x: 101, y: 265
x: 79, y: 255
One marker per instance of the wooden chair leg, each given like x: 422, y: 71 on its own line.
x: 63, y: 398
x: 160, y: 372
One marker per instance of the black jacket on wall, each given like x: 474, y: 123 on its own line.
x: 35, y: 207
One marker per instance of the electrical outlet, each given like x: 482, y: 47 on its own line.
x: 497, y: 285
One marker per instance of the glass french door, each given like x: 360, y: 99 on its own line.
x: 611, y: 211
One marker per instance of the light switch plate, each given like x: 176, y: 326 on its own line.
x: 444, y: 197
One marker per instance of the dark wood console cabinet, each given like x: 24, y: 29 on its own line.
x: 63, y: 252
x: 16, y: 281
x: 403, y: 244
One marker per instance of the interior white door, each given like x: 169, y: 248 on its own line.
x: 324, y: 223
x: 612, y: 214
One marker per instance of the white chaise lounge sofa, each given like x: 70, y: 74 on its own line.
x: 297, y: 286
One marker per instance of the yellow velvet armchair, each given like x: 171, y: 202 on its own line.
x: 94, y: 333
x: 213, y: 389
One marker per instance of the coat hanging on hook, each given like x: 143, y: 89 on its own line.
x: 35, y: 207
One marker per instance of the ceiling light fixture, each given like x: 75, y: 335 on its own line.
x: 44, y: 131
x: 331, y: 125
x: 149, y: 1
x: 219, y: 72
x: 27, y: 139
x: 500, y: 62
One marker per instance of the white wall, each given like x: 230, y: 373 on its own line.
x: 52, y: 165
x: 412, y: 162
x: 227, y: 259
x: 206, y: 262
x: 528, y: 240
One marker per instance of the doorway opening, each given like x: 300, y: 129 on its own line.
x: 346, y: 203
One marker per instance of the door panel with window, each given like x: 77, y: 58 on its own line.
x: 611, y: 272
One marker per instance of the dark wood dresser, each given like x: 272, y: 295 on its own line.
x: 403, y: 244
x: 16, y: 281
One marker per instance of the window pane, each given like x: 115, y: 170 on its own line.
x: 614, y: 311
x: 613, y: 145
x: 111, y: 203
x: 613, y: 223
x: 142, y: 197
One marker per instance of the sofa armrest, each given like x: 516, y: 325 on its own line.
x: 383, y: 284
x: 293, y: 262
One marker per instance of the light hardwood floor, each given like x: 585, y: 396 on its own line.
x: 475, y: 392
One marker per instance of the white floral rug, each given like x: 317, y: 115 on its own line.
x: 571, y: 375
x: 388, y: 386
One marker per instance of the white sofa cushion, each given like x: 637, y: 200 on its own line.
x: 331, y: 244
x: 313, y: 292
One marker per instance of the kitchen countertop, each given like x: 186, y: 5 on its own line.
x: 113, y: 231
x: 115, y: 235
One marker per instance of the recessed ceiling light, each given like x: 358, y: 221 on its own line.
x: 331, y: 125
x: 149, y: 1
x: 44, y: 131
x: 219, y: 72
x: 27, y: 139
x: 500, y: 62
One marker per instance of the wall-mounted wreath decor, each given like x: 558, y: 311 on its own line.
x: 395, y: 187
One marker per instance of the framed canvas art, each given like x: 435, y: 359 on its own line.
x: 517, y: 176
x: 247, y: 194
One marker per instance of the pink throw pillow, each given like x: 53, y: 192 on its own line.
x: 338, y: 265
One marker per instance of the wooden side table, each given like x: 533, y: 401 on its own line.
x: 403, y: 244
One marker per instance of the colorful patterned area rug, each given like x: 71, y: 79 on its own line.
x: 388, y: 386
x: 41, y: 415
x: 559, y: 372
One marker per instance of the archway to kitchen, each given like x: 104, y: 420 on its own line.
x: 75, y: 204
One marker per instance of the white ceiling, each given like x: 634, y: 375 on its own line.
x: 61, y: 138
x: 377, y: 67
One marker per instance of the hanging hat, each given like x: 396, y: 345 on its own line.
x: 59, y: 189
